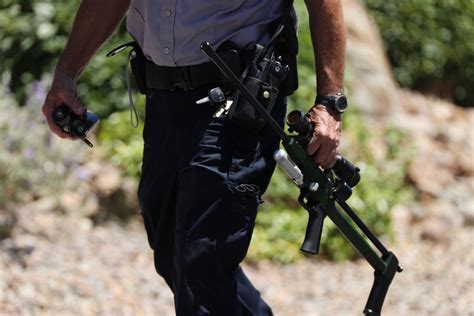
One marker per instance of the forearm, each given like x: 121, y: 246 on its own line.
x: 95, y: 21
x: 328, y: 37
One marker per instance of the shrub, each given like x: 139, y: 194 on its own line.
x: 122, y: 143
x: 428, y: 44
x: 33, y: 161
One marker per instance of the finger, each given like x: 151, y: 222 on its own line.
x: 330, y: 160
x: 314, y: 144
x: 332, y: 146
x: 48, y: 108
x: 323, y: 153
x: 73, y: 103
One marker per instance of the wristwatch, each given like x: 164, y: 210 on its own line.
x: 336, y: 102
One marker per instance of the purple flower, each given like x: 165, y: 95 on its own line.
x: 38, y: 92
x: 29, y: 153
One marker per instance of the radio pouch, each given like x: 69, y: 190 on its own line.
x: 262, y: 78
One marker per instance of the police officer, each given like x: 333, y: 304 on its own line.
x: 203, y: 177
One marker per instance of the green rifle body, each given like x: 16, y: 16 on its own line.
x: 320, y: 201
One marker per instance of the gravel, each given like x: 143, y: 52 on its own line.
x: 64, y: 265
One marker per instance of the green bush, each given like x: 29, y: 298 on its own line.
x: 39, y: 30
x: 429, y: 43
x: 123, y: 143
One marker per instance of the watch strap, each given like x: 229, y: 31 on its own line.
x: 329, y: 101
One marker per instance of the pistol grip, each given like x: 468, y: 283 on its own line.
x: 314, y: 230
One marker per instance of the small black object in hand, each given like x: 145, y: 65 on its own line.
x: 76, y: 125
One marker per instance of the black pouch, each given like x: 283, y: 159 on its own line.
x: 262, y: 83
x: 137, y: 63
x: 232, y: 59
x: 242, y: 113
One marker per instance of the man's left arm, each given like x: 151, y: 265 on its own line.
x: 328, y: 37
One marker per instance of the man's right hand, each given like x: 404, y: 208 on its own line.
x: 63, y: 91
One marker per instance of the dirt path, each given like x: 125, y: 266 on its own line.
x: 55, y: 265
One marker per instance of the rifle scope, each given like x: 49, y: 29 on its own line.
x: 299, y: 122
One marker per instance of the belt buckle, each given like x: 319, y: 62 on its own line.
x: 183, y: 79
x: 187, y: 79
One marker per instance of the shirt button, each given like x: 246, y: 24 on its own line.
x: 168, y: 13
x: 166, y: 50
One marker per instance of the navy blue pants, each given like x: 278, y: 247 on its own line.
x: 198, y: 221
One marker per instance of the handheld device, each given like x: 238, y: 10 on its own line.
x: 76, y: 125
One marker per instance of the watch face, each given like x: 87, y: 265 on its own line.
x: 341, y: 104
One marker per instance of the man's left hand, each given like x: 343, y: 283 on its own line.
x: 324, y: 144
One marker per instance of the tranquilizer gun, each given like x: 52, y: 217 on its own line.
x: 320, y: 190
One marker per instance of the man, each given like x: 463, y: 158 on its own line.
x: 202, y: 177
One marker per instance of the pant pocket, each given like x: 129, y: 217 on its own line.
x: 232, y: 246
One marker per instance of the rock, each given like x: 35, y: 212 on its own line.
x: 401, y: 218
x: 435, y: 229
x: 122, y: 203
x: 418, y: 212
x: 107, y: 180
x: 71, y: 202
x: 371, y: 85
x: 464, y: 160
x: 430, y: 170
x: 7, y: 223
x: 81, y: 202
x: 467, y: 213
x: 45, y: 204
x: 445, y: 210
x: 460, y: 196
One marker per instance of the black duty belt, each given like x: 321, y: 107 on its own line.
x: 184, y: 77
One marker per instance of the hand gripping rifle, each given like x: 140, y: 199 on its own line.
x: 321, y: 190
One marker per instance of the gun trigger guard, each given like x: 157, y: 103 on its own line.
x: 311, y: 208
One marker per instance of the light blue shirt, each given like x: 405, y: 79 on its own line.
x: 170, y: 32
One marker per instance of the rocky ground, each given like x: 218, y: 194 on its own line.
x: 64, y: 265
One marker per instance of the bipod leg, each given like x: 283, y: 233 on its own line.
x: 382, y: 281
x: 383, y: 274
x: 385, y: 266
x: 366, y: 230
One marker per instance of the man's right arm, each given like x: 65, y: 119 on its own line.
x: 95, y: 21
